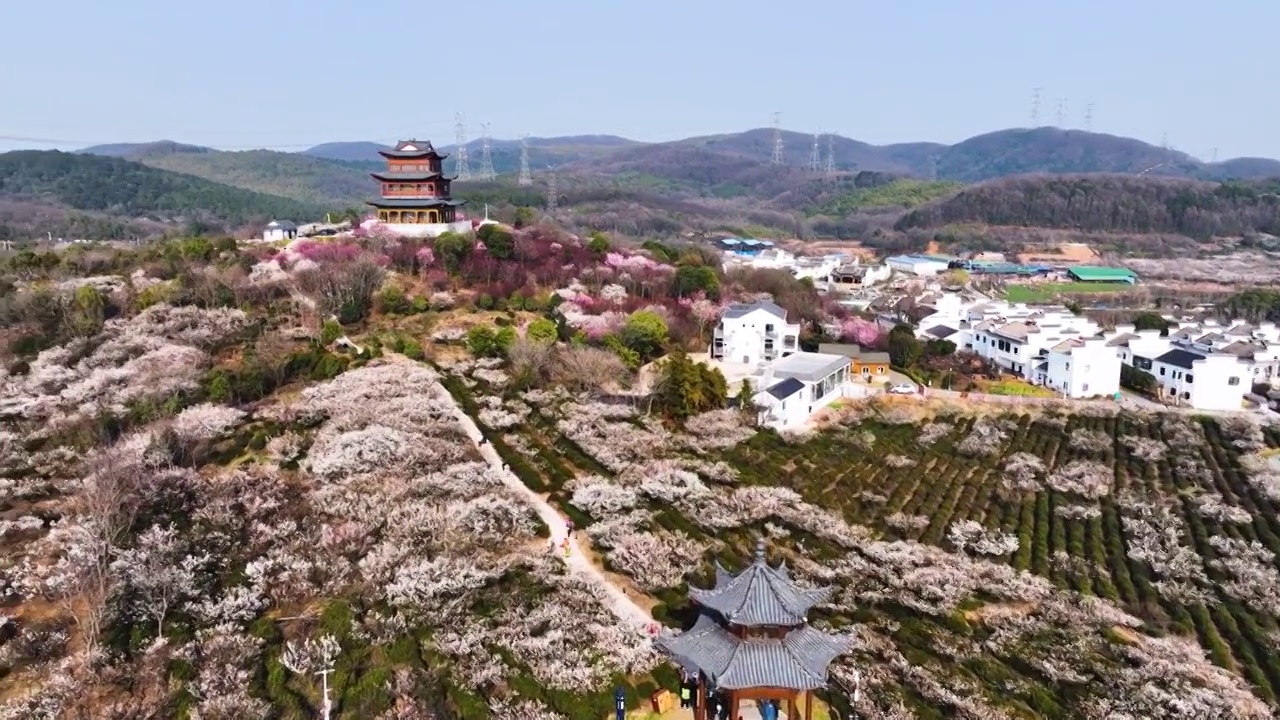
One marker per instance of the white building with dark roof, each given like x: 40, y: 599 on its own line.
x: 1081, y: 368
x: 793, y: 388
x: 1205, y: 381
x: 754, y: 333
x: 279, y: 230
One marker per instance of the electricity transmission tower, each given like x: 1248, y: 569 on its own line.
x: 525, y: 178
x: 815, y: 159
x: 461, y: 170
x: 1088, y: 117
x: 1213, y: 157
x: 1060, y: 115
x: 1035, y: 108
x: 486, y: 157
x: 831, y: 155
x: 777, y: 139
x: 553, y: 192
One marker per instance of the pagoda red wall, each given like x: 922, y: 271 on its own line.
x: 410, y: 189
x: 415, y: 165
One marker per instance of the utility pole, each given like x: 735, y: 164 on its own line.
x: 486, y: 157
x: 525, y: 178
x: 461, y: 170
x: 777, y: 139
x: 815, y: 161
x: 831, y: 155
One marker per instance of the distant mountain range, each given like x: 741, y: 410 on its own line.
x: 701, y: 183
x: 731, y: 165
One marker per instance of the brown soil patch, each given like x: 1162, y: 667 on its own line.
x: 1127, y: 634
x: 1068, y: 252
x: 999, y: 610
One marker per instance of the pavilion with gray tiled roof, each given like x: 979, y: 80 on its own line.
x: 752, y: 639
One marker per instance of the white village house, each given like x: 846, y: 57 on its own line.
x: 754, y: 333
x: 1203, y: 365
x: 279, y: 230
x: 797, y: 386
x: 1081, y: 368
x: 1205, y: 381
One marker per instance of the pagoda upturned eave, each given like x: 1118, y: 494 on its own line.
x: 393, y: 176
x: 414, y: 203
x: 760, y: 596
x: 411, y: 154
x: 798, y: 661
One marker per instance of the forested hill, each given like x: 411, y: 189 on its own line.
x: 1111, y: 203
x: 131, y: 190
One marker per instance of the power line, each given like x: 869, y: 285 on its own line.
x: 486, y: 157
x: 777, y: 139
x: 815, y: 159
x: 525, y: 178
x: 461, y: 170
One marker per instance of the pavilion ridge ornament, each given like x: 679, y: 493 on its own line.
x: 752, y: 640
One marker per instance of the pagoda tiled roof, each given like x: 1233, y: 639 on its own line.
x: 796, y: 661
x: 414, y: 203
x: 760, y: 595
x: 411, y: 149
x: 404, y: 176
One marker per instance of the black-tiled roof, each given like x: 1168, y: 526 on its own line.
x: 796, y: 661
x: 759, y: 596
x: 1180, y: 358
x: 942, y: 332
x: 739, y: 309
x: 421, y: 149
x: 785, y: 389
x: 414, y: 203
x: 404, y: 176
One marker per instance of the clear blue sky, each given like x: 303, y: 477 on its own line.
x: 237, y: 73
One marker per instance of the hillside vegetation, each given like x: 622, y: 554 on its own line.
x: 303, y: 178
x: 1114, y: 203
x: 113, y: 187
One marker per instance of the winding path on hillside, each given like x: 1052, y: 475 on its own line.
x: 578, y: 562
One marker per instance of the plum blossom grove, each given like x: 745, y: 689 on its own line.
x: 640, y: 471
x: 388, y: 505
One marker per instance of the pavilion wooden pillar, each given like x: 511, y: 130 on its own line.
x: 700, y: 712
x: 808, y: 705
x: 733, y: 705
x: 793, y: 713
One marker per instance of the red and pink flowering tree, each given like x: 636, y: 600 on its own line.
x: 861, y: 331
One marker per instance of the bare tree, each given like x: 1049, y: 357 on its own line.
x: 587, y: 369
x: 529, y: 359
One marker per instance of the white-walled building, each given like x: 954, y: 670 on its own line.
x: 814, y: 267
x: 1081, y: 368
x: 1019, y: 346
x: 797, y: 386
x: 922, y: 265
x: 754, y: 333
x: 1215, y: 381
x: 279, y: 230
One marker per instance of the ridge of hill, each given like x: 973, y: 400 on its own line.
x: 117, y: 190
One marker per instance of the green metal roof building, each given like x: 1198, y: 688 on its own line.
x: 1084, y: 273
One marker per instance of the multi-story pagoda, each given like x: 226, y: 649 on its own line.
x: 752, y: 640
x: 415, y: 193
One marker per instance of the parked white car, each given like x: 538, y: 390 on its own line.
x: 903, y: 389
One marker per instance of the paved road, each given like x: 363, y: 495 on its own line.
x: 620, y: 604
